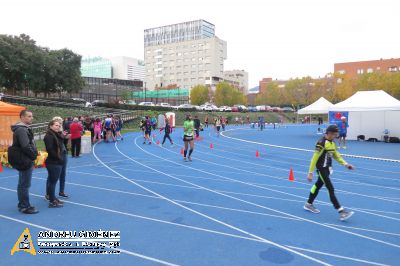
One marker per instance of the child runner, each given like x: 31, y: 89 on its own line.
x: 322, y: 160
x: 188, y: 128
x: 223, y: 122
x: 342, y: 125
x: 97, y: 129
x: 167, y: 131
x: 108, y: 128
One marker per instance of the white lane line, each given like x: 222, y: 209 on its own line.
x: 365, y: 229
x: 185, y: 226
x: 270, y: 189
x: 199, y: 213
x: 252, y: 203
x: 306, y: 150
x: 304, y: 165
x: 162, y: 262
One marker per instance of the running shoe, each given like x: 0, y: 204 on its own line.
x: 311, y: 208
x: 185, y: 159
x: 47, y: 197
x: 190, y: 159
x: 345, y: 214
x: 344, y: 147
x: 62, y: 194
x: 144, y: 142
x: 55, y: 204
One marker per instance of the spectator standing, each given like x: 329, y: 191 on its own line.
x: 23, y: 141
x: 76, y: 137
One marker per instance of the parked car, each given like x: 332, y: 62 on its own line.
x: 82, y: 102
x: 185, y: 106
x: 261, y: 108
x: 208, y: 107
x: 241, y: 107
x: 235, y: 109
x: 98, y: 102
x: 225, y: 108
x: 287, y: 109
x: 164, y: 105
x: 146, y: 104
x: 276, y: 109
x: 252, y: 109
x: 268, y: 108
x: 130, y: 102
x: 1, y: 96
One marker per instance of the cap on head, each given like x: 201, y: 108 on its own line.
x: 332, y: 129
x: 343, y: 118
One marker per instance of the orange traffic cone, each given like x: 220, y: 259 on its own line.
x: 257, y: 154
x: 182, y: 151
x: 158, y: 142
x: 1, y: 168
x: 291, y: 175
x: 211, y: 146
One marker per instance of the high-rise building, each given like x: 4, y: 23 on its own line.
x: 128, y: 68
x: 240, y: 77
x: 96, y: 67
x: 184, y: 54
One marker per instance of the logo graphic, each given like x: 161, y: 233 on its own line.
x: 24, y: 243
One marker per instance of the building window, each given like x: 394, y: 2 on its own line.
x: 360, y: 71
x: 342, y: 71
x: 370, y: 70
x: 393, y: 69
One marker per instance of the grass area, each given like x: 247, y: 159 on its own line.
x: 46, y: 113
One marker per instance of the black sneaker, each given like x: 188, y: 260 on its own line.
x: 62, y: 194
x: 29, y: 210
x: 55, y: 204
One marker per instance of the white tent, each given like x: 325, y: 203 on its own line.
x: 370, y: 114
x: 321, y: 106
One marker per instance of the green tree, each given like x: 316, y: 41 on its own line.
x: 225, y: 94
x: 199, y: 95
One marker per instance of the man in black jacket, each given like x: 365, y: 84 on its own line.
x: 23, y: 138
x: 197, y: 125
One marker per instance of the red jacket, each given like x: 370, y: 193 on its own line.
x: 75, y: 129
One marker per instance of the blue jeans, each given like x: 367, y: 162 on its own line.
x: 24, y: 183
x: 54, y: 172
x: 62, y: 177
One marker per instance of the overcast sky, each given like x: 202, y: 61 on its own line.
x: 277, y: 38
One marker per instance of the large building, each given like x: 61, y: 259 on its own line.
x: 122, y: 67
x: 353, y: 69
x: 96, y: 67
x: 184, y: 54
x: 240, y: 77
x: 128, y: 68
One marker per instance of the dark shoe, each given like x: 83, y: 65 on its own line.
x: 60, y: 202
x: 63, y: 195
x: 29, y: 210
x: 47, y: 197
x: 55, y: 204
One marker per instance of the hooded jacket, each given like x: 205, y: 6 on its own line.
x: 23, y: 138
x: 55, y: 147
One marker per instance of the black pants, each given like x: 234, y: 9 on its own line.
x: 197, y: 131
x: 323, y: 179
x: 75, y: 147
x: 62, y: 176
x: 166, y: 136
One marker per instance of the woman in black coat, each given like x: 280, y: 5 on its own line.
x: 57, y: 152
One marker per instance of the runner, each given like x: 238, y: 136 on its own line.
x: 223, y: 122
x: 97, y: 129
x: 206, y: 121
x: 197, y: 125
x: 322, y: 160
x: 147, y: 130
x: 118, y: 128
x: 342, y: 125
x: 108, y: 128
x: 167, y: 131
x: 217, y: 124
x: 188, y: 128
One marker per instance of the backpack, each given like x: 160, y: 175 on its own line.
x: 17, y: 158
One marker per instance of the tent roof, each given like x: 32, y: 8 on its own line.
x: 10, y: 109
x: 321, y: 106
x: 368, y: 101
